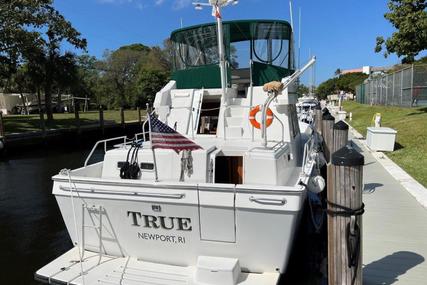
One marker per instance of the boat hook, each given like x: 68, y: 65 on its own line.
x: 273, y: 93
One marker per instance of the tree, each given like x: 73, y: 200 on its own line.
x: 58, y: 30
x: 126, y: 73
x: 120, y: 70
x: 302, y: 89
x: 20, y: 29
x: 337, y: 72
x: 149, y: 83
x: 346, y: 82
x: 409, y: 17
x: 32, y: 32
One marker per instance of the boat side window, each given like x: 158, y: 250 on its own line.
x: 272, y: 45
x: 196, y: 47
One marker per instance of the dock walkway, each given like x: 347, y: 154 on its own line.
x: 394, y: 229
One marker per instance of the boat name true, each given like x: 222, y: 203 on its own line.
x: 163, y: 222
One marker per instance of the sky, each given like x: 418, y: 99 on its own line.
x: 341, y: 33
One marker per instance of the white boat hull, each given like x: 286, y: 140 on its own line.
x: 175, y: 226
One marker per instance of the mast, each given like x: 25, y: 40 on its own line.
x: 216, y: 12
x: 221, y: 51
x: 299, y: 37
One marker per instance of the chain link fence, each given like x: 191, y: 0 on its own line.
x: 406, y: 87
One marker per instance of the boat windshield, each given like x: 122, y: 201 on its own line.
x: 264, y: 41
x: 257, y: 49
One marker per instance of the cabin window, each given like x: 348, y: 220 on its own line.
x: 229, y: 169
x: 209, y: 114
x: 271, y: 45
x: 196, y: 47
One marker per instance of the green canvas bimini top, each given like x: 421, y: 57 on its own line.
x: 236, y: 31
x: 196, y: 51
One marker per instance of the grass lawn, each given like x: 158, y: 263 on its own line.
x: 26, y: 123
x: 411, y: 141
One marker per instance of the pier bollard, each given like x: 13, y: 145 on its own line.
x: 1, y: 125
x: 77, y: 116
x: 340, y: 135
x: 325, y: 111
x: 318, y: 119
x: 328, y: 134
x: 101, y: 119
x: 345, y: 209
x: 122, y: 117
x: 139, y: 115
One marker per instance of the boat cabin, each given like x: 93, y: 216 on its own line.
x: 194, y: 104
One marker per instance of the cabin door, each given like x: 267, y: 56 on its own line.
x: 229, y: 169
x: 217, y: 207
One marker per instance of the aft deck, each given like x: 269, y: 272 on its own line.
x: 394, y: 229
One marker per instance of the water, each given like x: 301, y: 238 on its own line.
x: 32, y: 232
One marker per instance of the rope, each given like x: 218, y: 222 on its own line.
x: 68, y: 172
x: 346, y: 212
x: 352, y: 237
x: 131, y: 170
x: 317, y: 226
x: 212, y: 109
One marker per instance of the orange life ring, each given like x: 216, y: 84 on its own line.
x: 253, y: 120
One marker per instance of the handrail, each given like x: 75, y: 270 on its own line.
x: 133, y: 193
x: 267, y: 103
x: 124, y: 138
x: 268, y: 201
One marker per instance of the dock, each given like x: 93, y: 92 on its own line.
x: 394, y: 228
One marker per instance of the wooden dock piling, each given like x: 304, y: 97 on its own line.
x: 77, y: 116
x: 101, y: 119
x: 122, y: 117
x: 318, y: 119
x: 1, y: 125
x: 328, y: 134
x: 340, y: 135
x: 345, y: 207
x: 139, y: 115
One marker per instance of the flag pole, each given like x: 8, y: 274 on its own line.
x: 151, y: 142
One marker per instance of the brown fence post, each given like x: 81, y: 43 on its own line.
x: 77, y: 115
x: 345, y: 207
x: 139, y: 115
x: 2, y: 132
x: 122, y: 117
x: 101, y: 118
x: 340, y: 135
x: 328, y: 134
x: 41, y: 113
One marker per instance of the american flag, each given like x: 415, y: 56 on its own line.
x: 215, y: 12
x: 163, y: 136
